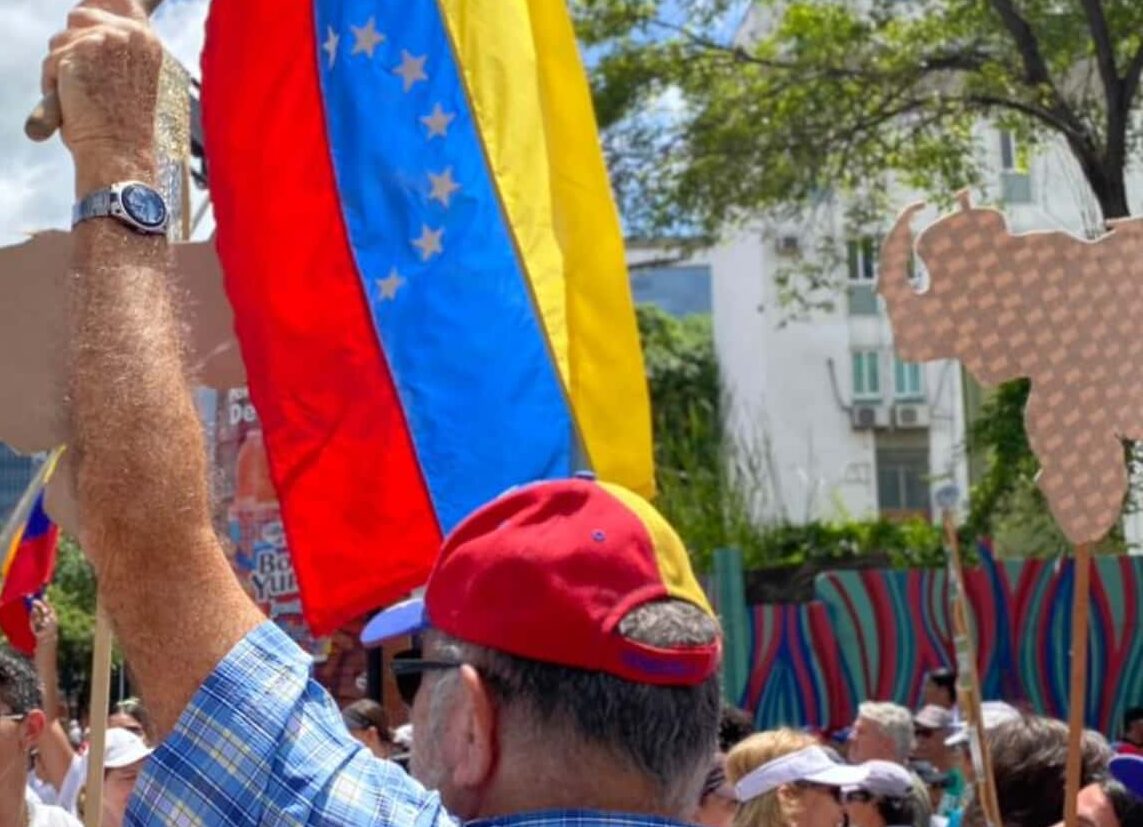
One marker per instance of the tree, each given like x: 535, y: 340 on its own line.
x: 72, y: 593
x: 706, y: 125
x: 835, y: 94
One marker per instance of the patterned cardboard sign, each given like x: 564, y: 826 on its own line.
x: 1049, y: 306
x: 33, y: 281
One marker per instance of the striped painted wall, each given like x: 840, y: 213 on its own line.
x: 874, y: 634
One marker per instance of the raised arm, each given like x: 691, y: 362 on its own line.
x: 136, y: 444
x: 53, y: 745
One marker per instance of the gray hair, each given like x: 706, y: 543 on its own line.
x: 895, y: 721
x: 667, y: 733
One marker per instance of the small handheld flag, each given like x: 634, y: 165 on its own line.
x: 29, y: 539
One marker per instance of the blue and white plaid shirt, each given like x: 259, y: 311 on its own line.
x: 263, y: 744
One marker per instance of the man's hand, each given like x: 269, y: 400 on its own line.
x: 45, y: 626
x: 105, y: 68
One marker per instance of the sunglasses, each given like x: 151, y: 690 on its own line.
x: 409, y: 667
x: 832, y: 792
x: 923, y: 732
x: 858, y: 797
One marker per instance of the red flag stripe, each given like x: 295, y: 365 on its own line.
x: 339, y: 449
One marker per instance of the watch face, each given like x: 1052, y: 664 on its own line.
x: 144, y: 205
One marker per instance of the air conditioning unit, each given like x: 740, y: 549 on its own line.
x: 911, y: 416
x: 788, y: 245
x: 868, y: 417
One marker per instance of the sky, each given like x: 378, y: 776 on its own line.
x: 36, y: 179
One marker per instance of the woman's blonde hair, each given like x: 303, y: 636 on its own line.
x: 766, y: 809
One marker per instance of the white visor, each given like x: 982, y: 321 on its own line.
x: 992, y: 713
x: 811, y: 764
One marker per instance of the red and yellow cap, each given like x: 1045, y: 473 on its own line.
x: 547, y: 572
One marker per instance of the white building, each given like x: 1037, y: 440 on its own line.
x: 829, y: 423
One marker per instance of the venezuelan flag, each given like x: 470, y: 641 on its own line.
x: 29, y: 540
x: 426, y: 268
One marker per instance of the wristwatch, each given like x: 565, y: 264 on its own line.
x: 133, y: 203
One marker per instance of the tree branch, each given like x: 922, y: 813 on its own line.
x: 1104, y: 51
x: 1047, y: 117
x: 1059, y: 115
x: 1035, y: 69
x: 1131, y: 78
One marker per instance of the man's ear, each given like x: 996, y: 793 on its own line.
x: 476, y: 737
x: 34, y: 725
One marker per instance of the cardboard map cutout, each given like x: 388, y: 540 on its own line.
x: 33, y: 342
x: 1049, y: 306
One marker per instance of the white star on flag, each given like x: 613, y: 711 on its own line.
x: 437, y: 121
x: 429, y: 243
x: 330, y: 45
x: 366, y: 38
x: 443, y: 186
x: 389, y: 286
x: 411, y: 69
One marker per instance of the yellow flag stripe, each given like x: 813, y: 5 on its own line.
x: 531, y: 102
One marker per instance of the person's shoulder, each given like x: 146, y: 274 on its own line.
x: 47, y: 815
x: 262, y: 743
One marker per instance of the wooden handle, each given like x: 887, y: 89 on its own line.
x: 100, y: 694
x: 45, y: 119
x: 1077, y: 695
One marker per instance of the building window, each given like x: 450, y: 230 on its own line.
x: 907, y: 380
x: 1015, y: 183
x: 1008, y: 151
x: 866, y: 375
x: 902, y: 481
x: 862, y: 253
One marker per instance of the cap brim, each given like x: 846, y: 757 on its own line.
x: 1128, y: 771
x: 840, y: 775
x: 401, y: 619
x: 957, y: 738
x: 126, y: 760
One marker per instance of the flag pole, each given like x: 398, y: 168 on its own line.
x: 968, y: 680
x: 98, y: 708
x: 1081, y: 595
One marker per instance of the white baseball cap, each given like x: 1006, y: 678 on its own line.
x: 886, y: 779
x: 992, y: 713
x: 123, y: 748
x: 811, y: 764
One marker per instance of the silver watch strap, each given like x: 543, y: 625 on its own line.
x: 95, y: 205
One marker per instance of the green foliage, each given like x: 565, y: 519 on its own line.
x: 695, y: 491
x: 72, y: 593
x: 1006, y: 504
x: 909, y: 544
x: 706, y: 494
x: 704, y: 127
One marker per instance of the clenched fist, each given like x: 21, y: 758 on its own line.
x: 105, y: 68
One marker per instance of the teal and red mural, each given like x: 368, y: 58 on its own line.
x: 873, y: 634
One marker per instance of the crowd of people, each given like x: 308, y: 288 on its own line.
x: 47, y: 768
x: 896, y: 768
x: 566, y: 667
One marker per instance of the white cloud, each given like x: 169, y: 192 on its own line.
x: 36, y: 179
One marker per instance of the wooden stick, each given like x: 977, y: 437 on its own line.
x: 45, y: 118
x: 100, y: 703
x: 1078, y: 694
x: 968, y: 682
